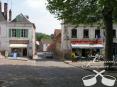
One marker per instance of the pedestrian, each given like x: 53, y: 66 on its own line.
x: 15, y: 55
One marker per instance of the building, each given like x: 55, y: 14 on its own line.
x: 43, y: 45
x: 17, y: 35
x: 57, y: 42
x: 57, y: 39
x: 4, y: 40
x: 85, y: 39
x: 21, y: 36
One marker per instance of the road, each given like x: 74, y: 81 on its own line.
x: 42, y: 73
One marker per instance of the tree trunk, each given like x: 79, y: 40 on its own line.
x: 107, y: 15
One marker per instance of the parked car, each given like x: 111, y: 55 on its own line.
x: 48, y: 55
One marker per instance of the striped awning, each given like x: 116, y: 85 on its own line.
x: 87, y: 46
x: 18, y: 45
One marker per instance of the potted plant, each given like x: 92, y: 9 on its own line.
x: 73, y: 57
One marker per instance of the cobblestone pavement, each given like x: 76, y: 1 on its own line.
x: 41, y: 73
x: 86, y: 64
x: 90, y: 65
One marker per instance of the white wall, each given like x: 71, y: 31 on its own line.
x: 80, y: 32
x: 3, y: 36
x: 31, y: 35
x: 80, y: 29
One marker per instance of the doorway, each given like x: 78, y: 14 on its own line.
x: 24, y: 51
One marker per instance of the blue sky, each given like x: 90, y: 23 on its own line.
x: 37, y: 12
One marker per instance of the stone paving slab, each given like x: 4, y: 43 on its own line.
x: 89, y: 65
x: 85, y: 64
x: 42, y: 73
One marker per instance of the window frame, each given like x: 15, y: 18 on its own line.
x: 99, y: 33
x: 18, y: 33
x: 114, y: 33
x: 86, y: 35
x: 74, y: 33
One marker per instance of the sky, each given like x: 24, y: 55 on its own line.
x: 37, y: 12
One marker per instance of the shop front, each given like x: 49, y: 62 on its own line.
x: 20, y: 49
x: 85, y: 48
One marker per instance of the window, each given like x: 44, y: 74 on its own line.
x: 114, y: 33
x: 74, y: 33
x: 9, y: 32
x: 24, y: 33
x: 18, y: 33
x: 86, y: 33
x: 97, y: 33
x: 13, y: 32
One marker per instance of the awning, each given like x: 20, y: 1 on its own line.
x: 18, y: 45
x: 87, y: 46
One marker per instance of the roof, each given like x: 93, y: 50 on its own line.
x: 2, y: 17
x: 21, y: 19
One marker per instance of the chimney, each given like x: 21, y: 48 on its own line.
x: 10, y: 15
x: 27, y: 16
x: 0, y: 6
x: 5, y: 10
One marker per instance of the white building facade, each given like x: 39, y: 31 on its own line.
x: 21, y: 36
x: 85, y: 40
x: 17, y: 35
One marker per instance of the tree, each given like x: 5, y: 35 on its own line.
x: 40, y: 36
x: 88, y: 12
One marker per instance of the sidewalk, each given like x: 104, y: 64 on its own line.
x: 87, y: 64
x: 90, y: 65
x: 18, y: 61
x: 18, y: 58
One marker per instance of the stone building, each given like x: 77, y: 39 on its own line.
x: 57, y: 42
x: 86, y: 39
x: 21, y: 36
x: 17, y: 35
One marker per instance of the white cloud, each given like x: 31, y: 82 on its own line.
x: 44, y: 21
x: 47, y: 24
x: 35, y: 3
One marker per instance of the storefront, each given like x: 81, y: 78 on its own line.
x: 86, y: 48
x: 20, y: 49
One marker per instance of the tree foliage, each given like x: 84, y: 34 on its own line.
x: 81, y: 11
x: 87, y: 12
x: 40, y: 36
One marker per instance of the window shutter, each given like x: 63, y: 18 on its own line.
x: 9, y: 32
